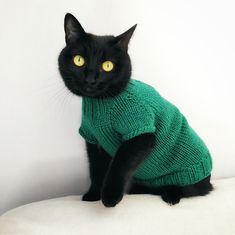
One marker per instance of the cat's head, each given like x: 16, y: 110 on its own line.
x: 94, y: 66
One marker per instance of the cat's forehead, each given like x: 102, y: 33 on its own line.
x: 98, y: 44
x: 101, y: 40
x: 93, y: 46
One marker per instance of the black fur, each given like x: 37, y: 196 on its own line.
x: 99, y: 162
x: 171, y: 193
x: 111, y: 178
x: 117, y: 178
x: 95, y: 50
x: 127, y: 159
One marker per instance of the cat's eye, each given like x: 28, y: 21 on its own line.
x: 78, y: 60
x: 107, y: 66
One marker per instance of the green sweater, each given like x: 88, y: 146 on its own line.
x: 180, y: 157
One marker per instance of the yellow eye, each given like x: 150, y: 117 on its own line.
x: 78, y: 60
x: 107, y: 66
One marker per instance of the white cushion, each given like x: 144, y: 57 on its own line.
x: 136, y: 214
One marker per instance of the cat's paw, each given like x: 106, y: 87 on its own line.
x: 91, y: 196
x: 112, y: 199
x: 171, y: 195
x: 111, y: 196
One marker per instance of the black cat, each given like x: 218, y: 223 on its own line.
x: 99, y: 67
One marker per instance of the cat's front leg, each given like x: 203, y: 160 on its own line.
x: 99, y: 161
x: 113, y: 190
x: 128, y: 158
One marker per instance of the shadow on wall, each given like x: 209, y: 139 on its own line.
x: 58, y: 178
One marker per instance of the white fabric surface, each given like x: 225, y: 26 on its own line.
x: 136, y: 214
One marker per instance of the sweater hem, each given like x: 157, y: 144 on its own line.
x: 187, y: 176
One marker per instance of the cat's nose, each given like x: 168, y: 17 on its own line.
x: 90, y: 81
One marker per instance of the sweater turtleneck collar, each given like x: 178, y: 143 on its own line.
x: 94, y: 106
x: 94, y: 99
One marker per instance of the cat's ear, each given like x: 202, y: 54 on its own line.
x: 124, y: 38
x: 73, y: 29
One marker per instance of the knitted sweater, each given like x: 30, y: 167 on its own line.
x: 179, y: 157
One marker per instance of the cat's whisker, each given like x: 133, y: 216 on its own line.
x: 60, y: 105
x: 47, y: 87
x: 55, y: 95
x: 63, y: 99
x: 64, y: 102
x: 54, y: 99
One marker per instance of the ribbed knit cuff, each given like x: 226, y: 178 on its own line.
x: 187, y: 176
x: 84, y: 136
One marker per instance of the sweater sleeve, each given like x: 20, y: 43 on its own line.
x: 87, y: 135
x: 134, y: 120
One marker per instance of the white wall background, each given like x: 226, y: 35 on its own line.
x: 184, y: 48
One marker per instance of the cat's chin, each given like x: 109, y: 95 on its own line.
x: 91, y: 94
x: 104, y: 93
